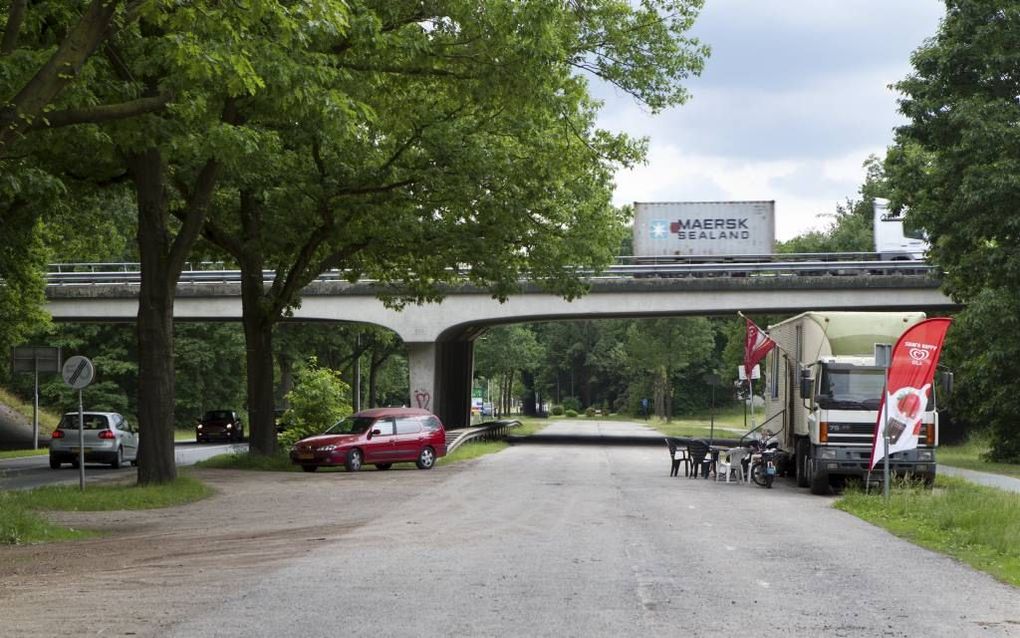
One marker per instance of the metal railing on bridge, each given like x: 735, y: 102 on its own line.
x: 630, y: 267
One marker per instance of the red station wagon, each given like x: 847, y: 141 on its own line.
x: 380, y: 437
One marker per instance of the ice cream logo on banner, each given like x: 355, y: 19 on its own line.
x: 917, y: 354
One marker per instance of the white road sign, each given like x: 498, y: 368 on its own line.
x: 78, y: 372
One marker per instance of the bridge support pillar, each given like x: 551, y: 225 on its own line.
x: 440, y: 379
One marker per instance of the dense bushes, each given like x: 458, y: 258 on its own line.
x: 317, y: 401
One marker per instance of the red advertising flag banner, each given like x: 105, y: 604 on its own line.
x: 911, y: 373
x: 756, y: 345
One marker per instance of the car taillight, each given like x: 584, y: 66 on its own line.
x: 106, y: 434
x: 57, y: 434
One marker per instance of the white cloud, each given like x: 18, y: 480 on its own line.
x: 792, y: 102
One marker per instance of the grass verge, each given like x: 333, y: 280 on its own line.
x: 13, y: 454
x: 280, y: 462
x: 20, y: 523
x: 969, y: 457
x: 975, y: 524
x: 47, y: 418
x: 476, y: 449
x: 727, y: 423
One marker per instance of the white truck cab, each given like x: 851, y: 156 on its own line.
x: 893, y: 240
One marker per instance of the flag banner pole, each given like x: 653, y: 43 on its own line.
x: 885, y: 436
x: 908, y: 382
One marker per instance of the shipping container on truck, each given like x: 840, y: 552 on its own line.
x: 703, y: 229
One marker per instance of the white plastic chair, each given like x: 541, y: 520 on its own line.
x: 731, y: 461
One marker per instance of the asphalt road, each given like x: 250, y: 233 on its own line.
x: 561, y: 540
x: 34, y: 471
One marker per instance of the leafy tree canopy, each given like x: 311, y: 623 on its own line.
x: 955, y: 166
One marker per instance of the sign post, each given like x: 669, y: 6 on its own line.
x: 35, y: 359
x: 713, y: 380
x: 78, y: 372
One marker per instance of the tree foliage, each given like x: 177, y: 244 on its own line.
x: 327, y: 134
x: 501, y: 354
x: 661, y: 350
x: 318, y: 400
x: 955, y: 166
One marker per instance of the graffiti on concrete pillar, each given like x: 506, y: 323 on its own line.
x: 423, y: 399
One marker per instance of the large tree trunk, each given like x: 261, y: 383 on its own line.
x: 286, y: 364
x: 258, y: 339
x: 529, y: 403
x: 156, y: 462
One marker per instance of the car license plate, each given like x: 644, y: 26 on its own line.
x: 76, y: 450
x: 305, y: 456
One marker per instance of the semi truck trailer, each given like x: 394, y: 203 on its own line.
x: 681, y: 229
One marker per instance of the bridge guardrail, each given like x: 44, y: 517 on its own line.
x: 734, y: 266
x: 492, y: 431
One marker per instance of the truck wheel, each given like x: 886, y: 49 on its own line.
x: 801, y: 455
x: 819, y: 483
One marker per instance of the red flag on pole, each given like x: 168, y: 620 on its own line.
x: 756, y: 345
x: 909, y: 380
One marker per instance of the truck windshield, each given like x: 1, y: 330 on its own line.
x: 851, y: 389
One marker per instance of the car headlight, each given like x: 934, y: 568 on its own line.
x: 229, y: 426
x: 924, y: 455
x: 327, y: 448
x: 199, y: 426
x: 826, y: 454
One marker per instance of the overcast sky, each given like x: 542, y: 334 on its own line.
x: 793, y: 99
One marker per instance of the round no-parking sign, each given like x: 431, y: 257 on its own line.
x: 78, y: 372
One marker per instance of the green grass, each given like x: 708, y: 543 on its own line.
x: 476, y: 449
x: 244, y: 461
x: 47, y: 419
x: 20, y: 523
x: 968, y: 456
x: 975, y: 524
x: 473, y: 450
x: 729, y: 424
x: 13, y: 454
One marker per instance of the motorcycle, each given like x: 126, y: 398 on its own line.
x: 763, y: 470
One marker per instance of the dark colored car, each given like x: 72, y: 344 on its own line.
x: 380, y: 437
x: 219, y: 424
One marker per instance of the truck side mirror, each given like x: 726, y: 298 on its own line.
x: 806, y: 384
x: 945, y: 383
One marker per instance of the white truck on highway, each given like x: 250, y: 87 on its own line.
x: 894, y: 240
x: 823, y: 392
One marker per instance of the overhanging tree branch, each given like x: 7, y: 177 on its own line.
x: 59, y: 71
x: 101, y: 113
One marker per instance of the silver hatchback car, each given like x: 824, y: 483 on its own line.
x: 109, y: 438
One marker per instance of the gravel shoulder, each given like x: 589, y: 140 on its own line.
x: 153, y: 567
